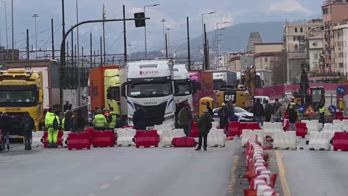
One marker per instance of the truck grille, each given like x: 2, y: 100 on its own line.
x: 154, y: 115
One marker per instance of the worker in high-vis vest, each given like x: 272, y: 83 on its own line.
x: 52, y: 125
x: 99, y: 121
x: 113, y: 120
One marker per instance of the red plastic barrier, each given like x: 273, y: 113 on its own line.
x: 78, y: 140
x: 233, y: 129
x: 249, y: 125
x: 184, y: 142
x: 286, y: 124
x: 105, y: 138
x: 339, y: 116
x: 194, y: 130
x: 44, y: 139
x: 146, y: 138
x: 301, y: 129
x: 340, y: 141
x: 90, y: 131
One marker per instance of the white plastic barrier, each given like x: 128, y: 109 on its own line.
x: 163, y: 127
x: 216, y: 138
x: 167, y: 136
x: 215, y: 124
x: 125, y: 136
x: 312, y: 125
x: 272, y: 126
x: 247, y: 133
x: 320, y: 140
x: 285, y: 140
x: 333, y: 127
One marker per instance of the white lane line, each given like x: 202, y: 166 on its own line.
x: 105, y: 186
x: 117, y: 178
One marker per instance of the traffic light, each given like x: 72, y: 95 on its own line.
x: 139, y: 19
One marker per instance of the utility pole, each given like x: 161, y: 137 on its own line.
x: 90, y: 50
x: 124, y: 35
x: 164, y: 36
x: 72, y: 58
x: 5, y: 8
x: 63, y: 18
x: 188, y: 44
x: 101, y: 49
x: 12, y: 21
x: 27, y: 44
x: 94, y: 57
x: 35, y: 16
x: 206, y: 63
x: 78, y: 55
x: 52, y: 35
x: 104, y: 50
x: 166, y: 40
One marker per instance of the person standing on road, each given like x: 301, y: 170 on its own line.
x: 113, y: 116
x: 52, y: 125
x: 223, y: 115
x: 277, y: 111
x: 268, y: 111
x: 80, y: 121
x: 292, y: 117
x: 28, y: 127
x: 185, y: 118
x: 5, y: 126
x: 209, y: 109
x: 259, y: 112
x: 322, y: 113
x: 67, y: 121
x: 99, y: 121
x: 139, y: 121
x: 204, y: 126
x: 230, y: 111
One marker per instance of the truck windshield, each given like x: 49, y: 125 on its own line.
x: 182, y: 88
x: 218, y: 84
x: 113, y: 93
x: 17, y: 98
x: 153, y: 89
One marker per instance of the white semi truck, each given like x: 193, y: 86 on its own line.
x: 148, y: 84
x: 182, y: 85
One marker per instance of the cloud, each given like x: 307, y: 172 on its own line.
x: 289, y: 6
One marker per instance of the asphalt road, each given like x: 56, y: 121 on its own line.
x: 319, y: 173
x: 116, y: 171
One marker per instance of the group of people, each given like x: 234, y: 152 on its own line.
x: 27, y: 125
x: 185, y: 119
x: 226, y: 114
x: 105, y: 119
x: 267, y: 112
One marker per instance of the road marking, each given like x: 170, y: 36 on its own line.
x: 117, y: 177
x: 282, y: 176
x: 230, y: 188
x: 105, y: 186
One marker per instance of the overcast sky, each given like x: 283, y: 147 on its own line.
x: 174, y: 11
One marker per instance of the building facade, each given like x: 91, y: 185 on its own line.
x: 315, y: 50
x: 340, y: 49
x: 266, y: 54
x: 334, y: 13
x: 296, y: 46
x: 240, y: 61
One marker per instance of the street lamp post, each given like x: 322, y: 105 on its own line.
x: 35, y: 16
x: 154, y: 5
x: 217, y: 45
x: 5, y: 8
x: 164, y: 34
x: 168, y: 41
x: 203, y: 38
